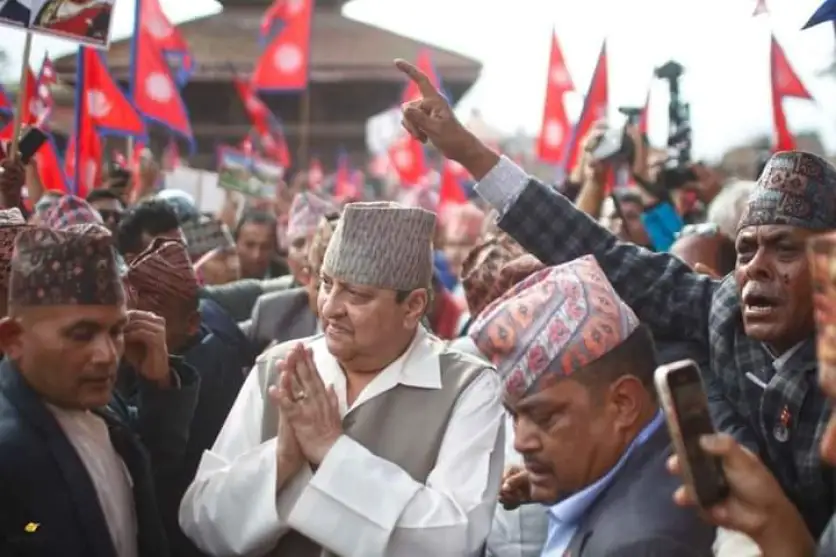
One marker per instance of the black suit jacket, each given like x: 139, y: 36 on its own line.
x: 48, y: 504
x: 636, y: 516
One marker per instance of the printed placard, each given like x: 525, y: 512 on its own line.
x: 247, y: 174
x: 82, y: 21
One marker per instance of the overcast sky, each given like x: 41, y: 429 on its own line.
x: 724, y: 49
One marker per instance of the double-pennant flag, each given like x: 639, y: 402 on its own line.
x: 268, y: 129
x: 594, y: 109
x: 154, y: 90
x: 101, y: 108
x: 167, y: 39
x: 555, y: 131
x: 285, y: 31
x: 784, y: 84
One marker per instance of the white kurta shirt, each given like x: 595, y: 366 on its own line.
x: 356, y: 503
x: 114, y: 487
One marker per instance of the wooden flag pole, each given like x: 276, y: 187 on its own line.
x: 21, y: 97
x: 304, y: 127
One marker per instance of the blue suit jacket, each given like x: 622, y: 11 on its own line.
x: 48, y: 504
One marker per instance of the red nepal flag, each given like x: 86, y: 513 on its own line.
x: 51, y: 167
x: 284, y: 64
x: 594, y: 109
x: 166, y: 38
x: 34, y: 109
x: 785, y: 84
x: 268, y: 129
x: 6, y: 107
x: 408, y: 160
x: 345, y: 187
x: 760, y: 8
x: 153, y: 88
x: 84, y: 166
x: 101, y: 102
x: 555, y: 130
x: 451, y: 191
x: 48, y: 75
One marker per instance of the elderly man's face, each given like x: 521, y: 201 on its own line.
x: 565, y: 434
x: 362, y: 323
x: 774, y: 282
x: 68, y: 354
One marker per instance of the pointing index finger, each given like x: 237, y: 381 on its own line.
x: 418, y: 77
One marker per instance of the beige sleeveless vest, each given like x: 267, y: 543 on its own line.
x: 404, y: 425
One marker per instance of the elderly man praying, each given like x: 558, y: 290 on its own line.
x: 379, y: 440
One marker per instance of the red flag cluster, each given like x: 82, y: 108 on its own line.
x: 556, y: 130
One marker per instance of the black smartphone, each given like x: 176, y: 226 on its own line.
x: 30, y: 143
x: 681, y: 391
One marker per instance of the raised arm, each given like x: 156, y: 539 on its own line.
x: 661, y: 289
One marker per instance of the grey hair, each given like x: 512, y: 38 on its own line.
x: 727, y: 208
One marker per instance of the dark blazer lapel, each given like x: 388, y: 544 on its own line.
x: 79, y: 484
x: 659, y: 441
x: 150, y: 531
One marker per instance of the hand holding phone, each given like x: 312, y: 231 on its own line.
x: 685, y: 404
x: 30, y: 144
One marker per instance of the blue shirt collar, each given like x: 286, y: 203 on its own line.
x: 571, y: 510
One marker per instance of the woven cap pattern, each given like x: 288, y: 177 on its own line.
x: 71, y: 211
x: 480, y: 271
x: 162, y: 277
x: 796, y: 189
x: 551, y: 325
x: 305, y: 212
x: 61, y: 267
x: 11, y: 225
x: 382, y: 244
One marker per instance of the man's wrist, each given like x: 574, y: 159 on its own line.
x: 786, y: 535
x: 478, y: 158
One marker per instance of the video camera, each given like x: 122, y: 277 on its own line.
x: 617, y: 147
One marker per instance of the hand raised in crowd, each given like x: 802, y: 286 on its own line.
x: 431, y: 118
x: 756, y: 506
x: 515, y: 489
x: 145, y: 347
x: 312, y: 411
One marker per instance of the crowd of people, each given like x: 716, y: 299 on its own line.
x: 327, y: 377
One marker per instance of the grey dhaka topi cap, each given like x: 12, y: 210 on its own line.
x: 382, y: 244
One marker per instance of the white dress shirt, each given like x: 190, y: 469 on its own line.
x: 114, y: 487
x: 356, y: 503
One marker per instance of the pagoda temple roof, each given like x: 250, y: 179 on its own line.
x: 342, y: 49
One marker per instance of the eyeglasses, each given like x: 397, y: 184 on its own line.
x: 701, y: 229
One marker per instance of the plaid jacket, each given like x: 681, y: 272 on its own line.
x: 747, y: 388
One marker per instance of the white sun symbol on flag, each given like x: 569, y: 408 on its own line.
x: 293, y: 7
x: 553, y: 134
x: 403, y: 159
x: 559, y: 76
x: 98, y: 105
x: 157, y: 28
x: 288, y: 58
x: 158, y: 87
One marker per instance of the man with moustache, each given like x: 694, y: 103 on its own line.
x: 577, y: 369
x: 756, y: 323
x: 384, y: 443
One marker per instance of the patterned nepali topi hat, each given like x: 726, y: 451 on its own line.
x: 320, y: 241
x: 162, y: 277
x: 305, y: 212
x: 11, y: 225
x: 480, y: 271
x: 796, y: 189
x: 551, y: 325
x: 64, y: 267
x: 206, y: 235
x: 382, y: 244
x: 71, y: 211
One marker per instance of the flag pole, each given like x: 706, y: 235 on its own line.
x: 21, y: 97
x: 304, y: 127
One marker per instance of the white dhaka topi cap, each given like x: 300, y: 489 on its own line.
x: 382, y: 244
